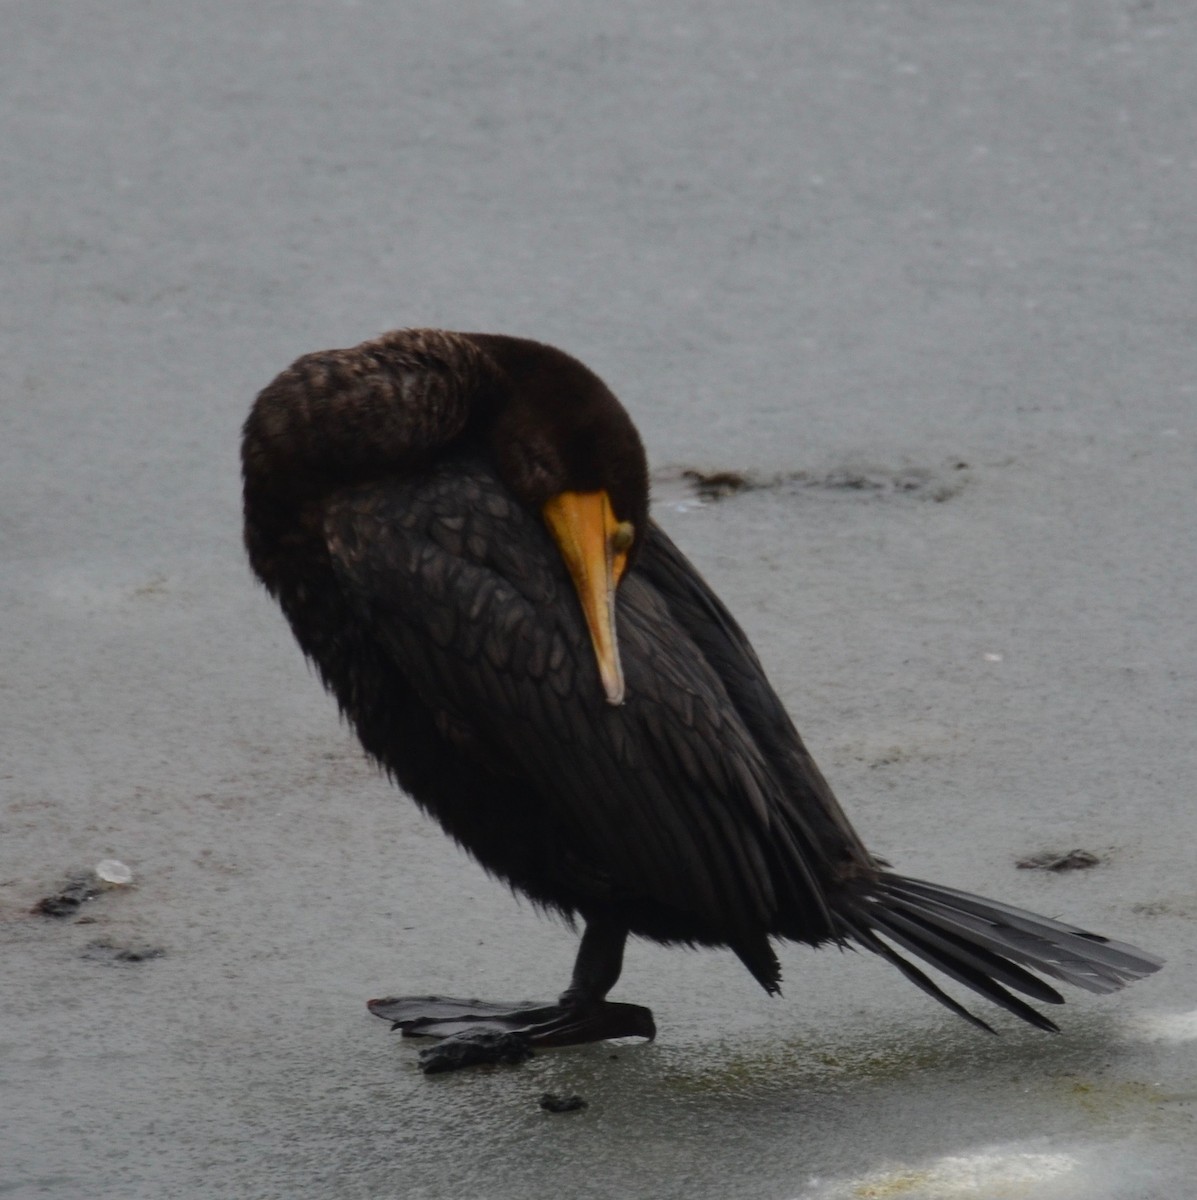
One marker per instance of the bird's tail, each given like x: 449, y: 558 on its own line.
x: 987, y: 946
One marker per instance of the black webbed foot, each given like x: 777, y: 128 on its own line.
x: 473, y: 1047
x: 474, y: 1031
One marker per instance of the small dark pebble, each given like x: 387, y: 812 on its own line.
x: 77, y: 890
x: 1053, y: 860
x: 553, y: 1103
x: 473, y: 1047
x: 112, y: 955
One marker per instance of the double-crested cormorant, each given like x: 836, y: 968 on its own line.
x: 456, y: 527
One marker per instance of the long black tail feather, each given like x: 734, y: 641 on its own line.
x: 985, y: 944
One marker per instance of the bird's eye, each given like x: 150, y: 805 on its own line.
x: 621, y: 538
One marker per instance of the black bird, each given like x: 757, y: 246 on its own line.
x: 457, y: 529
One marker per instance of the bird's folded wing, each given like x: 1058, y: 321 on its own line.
x: 809, y: 804
x: 669, y: 794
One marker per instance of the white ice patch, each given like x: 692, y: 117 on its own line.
x: 1164, y: 1027
x: 994, y: 1175
x: 112, y: 870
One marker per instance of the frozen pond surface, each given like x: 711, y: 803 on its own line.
x: 925, y: 271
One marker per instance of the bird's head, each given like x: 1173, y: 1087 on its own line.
x: 568, y: 449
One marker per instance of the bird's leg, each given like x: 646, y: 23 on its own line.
x: 597, y: 967
x: 582, y: 1012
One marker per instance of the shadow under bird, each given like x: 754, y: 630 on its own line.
x: 457, y: 528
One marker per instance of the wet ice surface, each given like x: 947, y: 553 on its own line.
x: 852, y: 242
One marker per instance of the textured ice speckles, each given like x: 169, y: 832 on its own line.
x: 74, y: 893
x: 685, y: 488
x: 113, y: 955
x: 82, y: 886
x: 1056, y: 860
x: 715, y: 485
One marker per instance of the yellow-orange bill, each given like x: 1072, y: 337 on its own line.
x: 584, y: 528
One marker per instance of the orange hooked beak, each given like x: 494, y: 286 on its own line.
x: 595, y: 548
